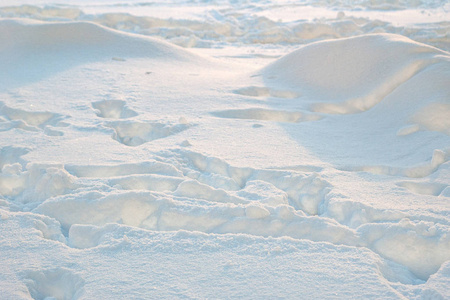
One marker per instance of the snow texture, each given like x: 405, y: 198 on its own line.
x: 215, y: 150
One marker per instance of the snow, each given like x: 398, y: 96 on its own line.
x: 260, y: 149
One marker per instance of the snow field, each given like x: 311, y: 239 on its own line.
x: 143, y: 202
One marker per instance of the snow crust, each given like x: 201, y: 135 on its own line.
x: 131, y: 167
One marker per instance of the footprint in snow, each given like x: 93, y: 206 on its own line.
x: 113, y: 109
x: 133, y: 133
x: 57, y: 283
x: 11, y: 118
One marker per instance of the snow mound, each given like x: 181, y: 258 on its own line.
x: 31, y: 50
x: 354, y: 74
x: 63, y: 36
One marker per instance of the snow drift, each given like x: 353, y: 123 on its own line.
x: 384, y: 94
x: 26, y: 37
x: 354, y: 74
x: 33, y: 50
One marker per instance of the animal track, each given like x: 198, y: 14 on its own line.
x: 267, y: 115
x: 28, y: 120
x: 133, y: 133
x: 57, y: 283
x: 113, y: 109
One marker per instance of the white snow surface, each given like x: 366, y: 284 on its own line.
x: 215, y: 149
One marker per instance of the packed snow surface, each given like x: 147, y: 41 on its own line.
x: 260, y: 149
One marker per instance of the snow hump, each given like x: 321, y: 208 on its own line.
x: 24, y: 38
x: 352, y: 75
